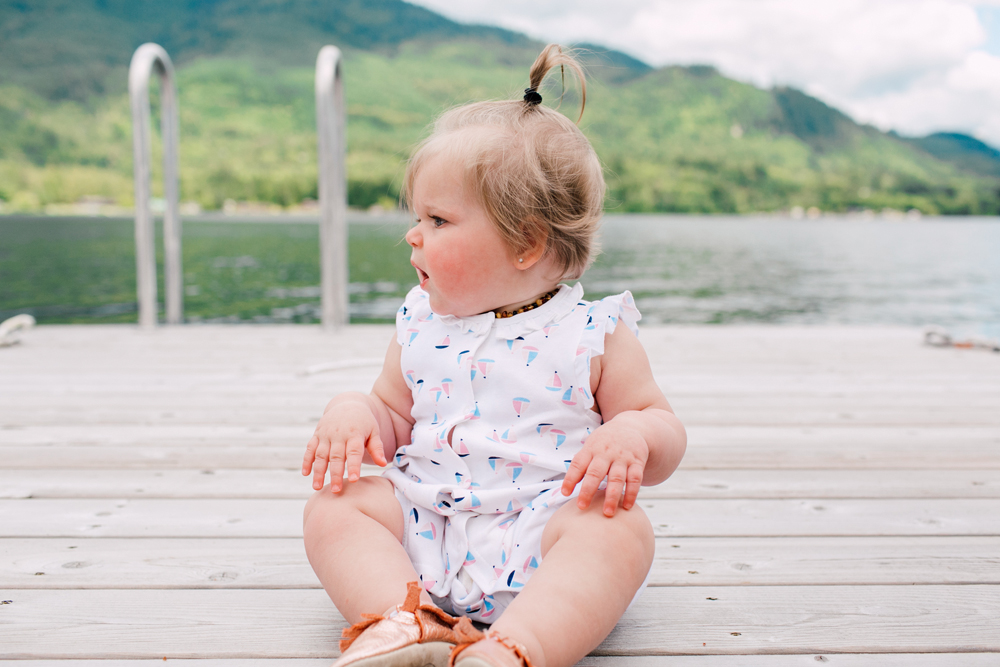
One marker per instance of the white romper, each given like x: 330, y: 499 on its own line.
x: 500, y: 406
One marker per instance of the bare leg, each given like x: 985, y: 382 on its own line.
x: 591, y: 568
x: 354, y: 543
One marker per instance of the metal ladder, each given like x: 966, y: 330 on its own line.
x: 331, y: 125
x: 145, y: 60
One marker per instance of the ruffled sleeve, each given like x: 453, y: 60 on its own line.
x: 416, y: 301
x: 603, y: 318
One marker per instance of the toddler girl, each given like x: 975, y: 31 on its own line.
x: 519, y: 419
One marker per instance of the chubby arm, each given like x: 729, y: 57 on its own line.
x: 641, y: 441
x: 357, y: 427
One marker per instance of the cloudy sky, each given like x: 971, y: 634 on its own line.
x: 916, y: 66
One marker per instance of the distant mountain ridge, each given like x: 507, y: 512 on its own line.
x: 68, y: 49
x: 673, y: 138
x: 967, y: 153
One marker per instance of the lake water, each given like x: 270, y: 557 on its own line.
x: 696, y: 270
x: 681, y: 269
x: 831, y: 271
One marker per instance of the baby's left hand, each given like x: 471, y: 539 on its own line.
x: 615, y: 450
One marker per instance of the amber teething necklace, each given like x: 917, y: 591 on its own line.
x: 545, y: 298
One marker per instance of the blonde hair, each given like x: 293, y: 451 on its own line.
x: 530, y: 167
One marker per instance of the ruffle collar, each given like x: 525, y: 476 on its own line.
x: 533, y: 320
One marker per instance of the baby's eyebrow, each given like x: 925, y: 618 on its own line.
x: 434, y: 209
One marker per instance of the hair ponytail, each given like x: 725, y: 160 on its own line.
x: 551, y: 57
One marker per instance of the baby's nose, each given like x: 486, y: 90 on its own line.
x: 413, y: 236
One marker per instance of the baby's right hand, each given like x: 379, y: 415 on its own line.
x: 343, y: 434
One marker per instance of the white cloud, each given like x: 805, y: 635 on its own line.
x: 966, y: 96
x: 913, y: 65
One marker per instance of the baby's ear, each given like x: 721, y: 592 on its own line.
x: 535, y: 251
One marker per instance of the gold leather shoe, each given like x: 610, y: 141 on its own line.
x: 410, y: 635
x: 488, y: 650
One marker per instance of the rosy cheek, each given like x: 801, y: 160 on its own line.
x: 461, y: 261
x: 458, y: 270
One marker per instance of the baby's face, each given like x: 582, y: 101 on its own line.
x: 460, y: 259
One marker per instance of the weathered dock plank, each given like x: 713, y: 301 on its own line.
x: 684, y: 483
x: 748, y: 448
x: 226, y: 623
x: 768, y: 660
x: 804, y: 660
x: 190, y: 407
x: 253, y: 517
x: 52, y: 562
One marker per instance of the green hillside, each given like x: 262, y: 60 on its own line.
x: 965, y: 152
x: 672, y: 139
x: 75, y: 49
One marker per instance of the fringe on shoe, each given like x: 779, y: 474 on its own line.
x: 429, y: 618
x: 469, y: 638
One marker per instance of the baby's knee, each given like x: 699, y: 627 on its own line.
x: 631, y: 528
x: 628, y: 540
x: 319, y: 508
x: 325, y: 510
x: 629, y: 533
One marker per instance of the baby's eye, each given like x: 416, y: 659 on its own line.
x: 437, y: 222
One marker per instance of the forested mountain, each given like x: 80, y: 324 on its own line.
x: 74, y: 49
x: 672, y: 139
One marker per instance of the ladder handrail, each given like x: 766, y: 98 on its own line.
x: 331, y: 121
x: 145, y: 60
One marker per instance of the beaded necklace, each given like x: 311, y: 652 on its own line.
x: 531, y: 306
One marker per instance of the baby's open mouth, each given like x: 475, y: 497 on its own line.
x: 421, y: 274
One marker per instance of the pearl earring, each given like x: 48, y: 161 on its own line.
x: 520, y: 260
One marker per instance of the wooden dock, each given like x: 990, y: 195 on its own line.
x: 839, y: 502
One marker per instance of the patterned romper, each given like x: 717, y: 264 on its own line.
x: 501, y: 406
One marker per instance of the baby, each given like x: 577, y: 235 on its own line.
x: 517, y: 419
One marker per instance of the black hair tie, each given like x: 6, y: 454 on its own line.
x: 531, y: 96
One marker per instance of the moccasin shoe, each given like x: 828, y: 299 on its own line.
x: 491, y: 650
x: 409, y: 635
